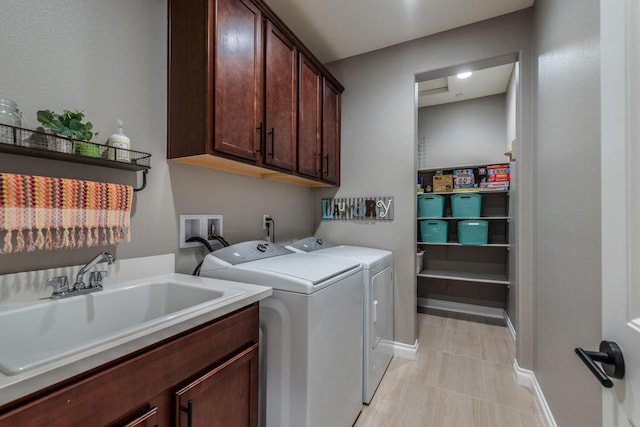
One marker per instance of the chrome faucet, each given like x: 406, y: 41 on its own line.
x: 95, y: 279
x: 61, y: 289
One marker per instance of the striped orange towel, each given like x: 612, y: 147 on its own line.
x: 62, y: 213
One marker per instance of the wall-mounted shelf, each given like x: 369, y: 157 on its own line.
x: 26, y: 142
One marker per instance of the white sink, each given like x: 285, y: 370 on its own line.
x: 34, y: 334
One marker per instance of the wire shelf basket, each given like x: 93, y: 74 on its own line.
x: 39, y: 143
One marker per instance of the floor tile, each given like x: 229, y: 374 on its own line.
x: 504, y: 416
x: 462, y: 343
x: 462, y: 375
x: 498, y: 350
x: 502, y: 388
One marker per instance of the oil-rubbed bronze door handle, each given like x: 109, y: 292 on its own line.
x: 189, y: 410
x: 272, y: 132
x: 610, y: 356
x: 259, y: 129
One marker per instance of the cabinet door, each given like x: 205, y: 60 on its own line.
x: 227, y: 396
x: 238, y: 78
x: 281, y: 100
x: 309, y: 117
x: 330, y: 133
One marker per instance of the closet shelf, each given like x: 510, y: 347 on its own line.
x: 451, y: 218
x: 466, y: 192
x: 490, y: 245
x: 498, y: 279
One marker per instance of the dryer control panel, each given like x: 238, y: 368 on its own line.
x: 249, y: 251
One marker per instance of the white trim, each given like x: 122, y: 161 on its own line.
x: 512, y: 330
x: 527, y: 378
x: 459, y: 307
x: 405, y: 351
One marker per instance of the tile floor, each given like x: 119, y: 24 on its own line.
x: 463, y: 376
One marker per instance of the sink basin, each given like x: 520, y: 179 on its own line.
x: 37, y: 333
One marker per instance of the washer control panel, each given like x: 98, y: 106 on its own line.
x: 250, y: 251
x: 311, y: 244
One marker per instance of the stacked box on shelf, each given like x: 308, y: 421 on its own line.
x: 442, y: 183
x: 430, y: 206
x: 466, y: 205
x: 434, y: 231
x: 498, y: 177
x: 464, y: 180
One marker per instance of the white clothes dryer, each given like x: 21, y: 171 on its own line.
x: 311, y: 332
x: 378, y: 289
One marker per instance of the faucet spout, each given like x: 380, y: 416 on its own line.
x: 101, y: 256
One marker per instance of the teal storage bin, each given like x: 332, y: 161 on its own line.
x: 473, y: 232
x: 434, y: 231
x: 466, y: 205
x: 430, y: 206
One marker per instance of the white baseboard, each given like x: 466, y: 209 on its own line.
x: 512, y: 330
x: 527, y: 378
x: 459, y: 307
x: 406, y: 351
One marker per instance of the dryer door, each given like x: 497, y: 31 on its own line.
x: 381, y: 308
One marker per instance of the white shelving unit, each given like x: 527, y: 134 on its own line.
x: 467, y: 275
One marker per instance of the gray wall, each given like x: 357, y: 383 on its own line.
x: 109, y: 58
x: 379, y: 133
x: 463, y: 133
x: 568, y: 267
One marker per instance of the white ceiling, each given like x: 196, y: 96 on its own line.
x: 337, y: 29
x: 486, y: 82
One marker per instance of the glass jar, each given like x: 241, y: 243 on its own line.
x: 9, y: 113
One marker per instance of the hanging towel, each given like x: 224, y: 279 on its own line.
x: 38, y: 212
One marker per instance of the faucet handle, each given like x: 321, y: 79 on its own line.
x: 96, y: 277
x: 60, y: 285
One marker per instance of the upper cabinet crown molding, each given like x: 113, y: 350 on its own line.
x: 246, y: 96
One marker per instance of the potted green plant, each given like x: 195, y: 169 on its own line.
x: 69, y: 124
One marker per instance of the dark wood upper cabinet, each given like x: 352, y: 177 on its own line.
x: 280, y: 99
x: 309, y: 117
x: 215, y: 95
x: 330, y: 133
x: 246, y: 96
x: 238, y: 78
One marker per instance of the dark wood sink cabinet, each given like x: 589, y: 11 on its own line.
x: 207, y: 376
x: 246, y: 96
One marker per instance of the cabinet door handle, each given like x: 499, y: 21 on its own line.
x: 189, y: 410
x: 272, y: 132
x: 326, y: 162
x: 259, y: 129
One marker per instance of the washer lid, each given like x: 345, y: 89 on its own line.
x: 300, y: 267
x: 367, y: 256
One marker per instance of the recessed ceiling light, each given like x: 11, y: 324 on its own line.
x: 464, y: 75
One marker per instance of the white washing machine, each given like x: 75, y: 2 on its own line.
x: 377, y: 265
x: 311, y: 332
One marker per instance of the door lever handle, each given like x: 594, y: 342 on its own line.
x: 609, y: 356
